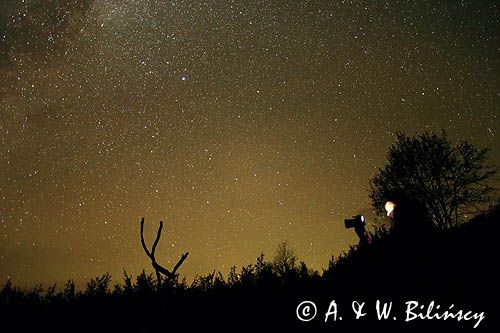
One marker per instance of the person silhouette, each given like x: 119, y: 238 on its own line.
x: 409, y: 218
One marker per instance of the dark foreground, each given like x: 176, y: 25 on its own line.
x: 454, y: 271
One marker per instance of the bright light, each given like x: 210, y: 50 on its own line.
x: 389, y: 207
x: 362, y: 218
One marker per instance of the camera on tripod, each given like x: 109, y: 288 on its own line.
x: 358, y: 223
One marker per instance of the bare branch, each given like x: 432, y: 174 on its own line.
x: 157, y: 267
x: 158, y: 235
x: 179, y: 263
x: 142, y: 240
x: 161, y: 269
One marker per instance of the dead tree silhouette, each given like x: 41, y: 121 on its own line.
x: 159, y: 268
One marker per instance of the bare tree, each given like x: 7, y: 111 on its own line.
x: 171, y: 275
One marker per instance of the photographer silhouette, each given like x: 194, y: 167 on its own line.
x: 409, y: 218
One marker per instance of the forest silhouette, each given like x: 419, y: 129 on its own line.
x: 454, y: 266
x: 426, y: 256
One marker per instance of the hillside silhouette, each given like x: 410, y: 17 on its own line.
x: 455, y: 266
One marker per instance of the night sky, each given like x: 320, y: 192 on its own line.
x: 238, y: 123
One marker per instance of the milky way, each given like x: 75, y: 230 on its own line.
x: 237, y: 123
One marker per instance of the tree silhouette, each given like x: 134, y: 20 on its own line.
x: 441, y: 178
x: 285, y: 260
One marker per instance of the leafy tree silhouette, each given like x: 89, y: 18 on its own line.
x: 285, y: 260
x: 442, y: 179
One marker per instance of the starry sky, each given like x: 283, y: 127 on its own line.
x: 238, y: 123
